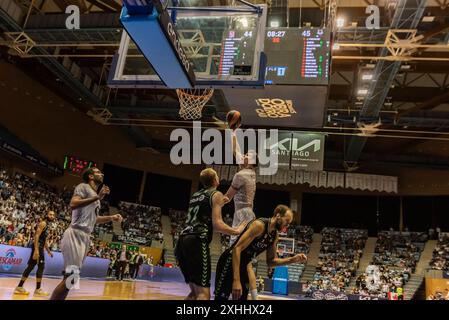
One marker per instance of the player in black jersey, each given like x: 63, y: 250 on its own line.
x: 259, y: 235
x: 192, y: 250
x: 37, y: 256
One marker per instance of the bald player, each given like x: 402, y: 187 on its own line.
x: 37, y: 256
x: 85, y: 205
x: 259, y: 235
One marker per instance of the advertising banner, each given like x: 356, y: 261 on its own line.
x: 279, y: 106
x: 14, y: 260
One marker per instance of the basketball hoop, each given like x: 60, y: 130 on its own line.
x: 192, y: 102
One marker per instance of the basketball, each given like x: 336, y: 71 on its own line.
x: 233, y: 119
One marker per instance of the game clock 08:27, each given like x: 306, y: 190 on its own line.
x: 275, y: 34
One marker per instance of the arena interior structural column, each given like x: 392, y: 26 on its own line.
x: 142, y: 186
x: 296, y: 205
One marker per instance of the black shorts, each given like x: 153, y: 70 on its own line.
x: 193, y: 255
x: 41, y: 257
x: 224, y: 277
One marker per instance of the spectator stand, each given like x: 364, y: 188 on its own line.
x: 396, y: 256
x: 23, y: 202
x: 142, y: 224
x: 440, y: 255
x: 399, y: 249
x: 340, y: 253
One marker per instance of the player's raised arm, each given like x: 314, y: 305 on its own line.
x: 233, y: 121
x: 236, y: 149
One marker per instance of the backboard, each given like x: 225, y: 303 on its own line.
x: 225, y: 45
x: 286, y: 246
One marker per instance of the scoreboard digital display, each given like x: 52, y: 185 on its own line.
x: 74, y: 165
x: 297, y: 56
x: 237, y: 53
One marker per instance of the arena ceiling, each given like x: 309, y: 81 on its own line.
x: 410, y: 117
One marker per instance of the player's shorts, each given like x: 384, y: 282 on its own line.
x: 242, y: 215
x: 193, y: 255
x: 74, y: 247
x: 224, y: 277
x: 41, y: 260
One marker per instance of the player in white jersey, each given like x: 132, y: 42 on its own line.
x: 85, y: 205
x: 243, y: 190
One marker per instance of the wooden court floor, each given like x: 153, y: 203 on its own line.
x: 104, y: 290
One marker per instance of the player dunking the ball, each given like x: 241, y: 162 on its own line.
x: 37, y: 256
x: 243, y: 190
x: 259, y: 235
x: 85, y: 205
x: 192, y: 250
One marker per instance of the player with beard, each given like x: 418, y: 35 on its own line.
x: 259, y: 235
x: 75, y: 243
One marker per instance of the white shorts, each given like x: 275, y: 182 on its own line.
x: 240, y: 216
x: 74, y: 247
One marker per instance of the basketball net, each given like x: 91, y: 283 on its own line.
x: 192, y: 101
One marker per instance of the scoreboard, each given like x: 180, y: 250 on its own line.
x: 297, y: 56
x: 237, y: 53
x: 74, y: 165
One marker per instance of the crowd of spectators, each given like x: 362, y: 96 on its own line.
x: 303, y: 236
x: 383, y: 281
x: 141, y: 222
x: 395, y: 257
x: 440, y: 258
x: 340, y: 253
x: 399, y: 249
x: 101, y: 250
x: 23, y: 203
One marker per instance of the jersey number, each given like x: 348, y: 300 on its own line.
x: 193, y: 212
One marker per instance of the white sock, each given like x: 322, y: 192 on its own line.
x: 253, y: 294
